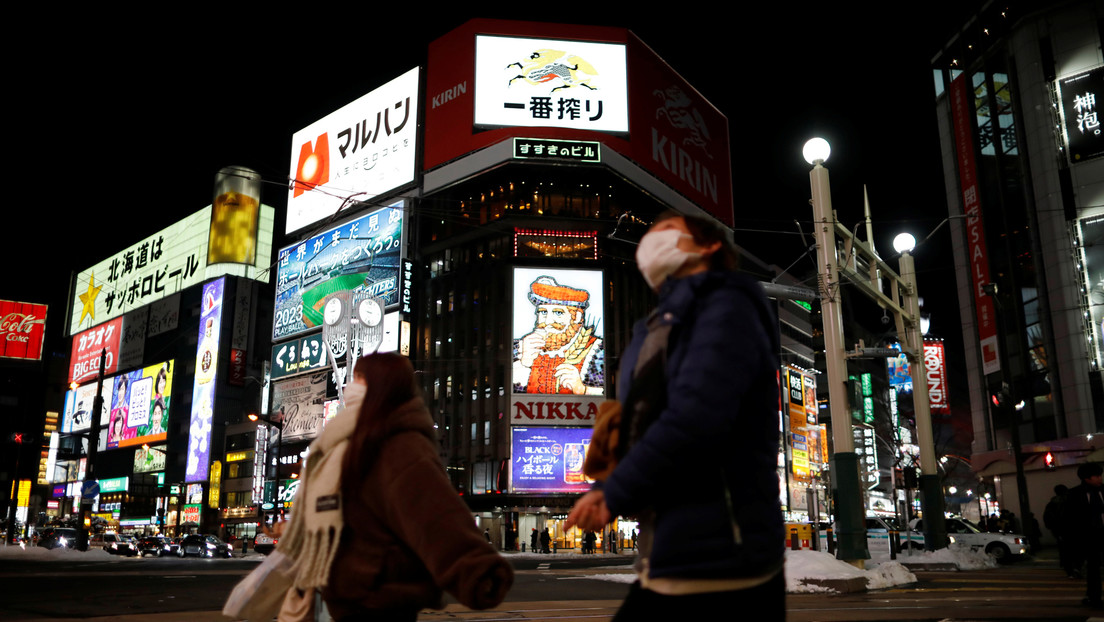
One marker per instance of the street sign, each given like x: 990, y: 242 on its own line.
x: 90, y: 490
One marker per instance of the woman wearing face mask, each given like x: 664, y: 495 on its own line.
x: 698, y: 448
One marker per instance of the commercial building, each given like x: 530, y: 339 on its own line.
x: 1016, y: 98
x: 167, y: 329
x: 508, y: 213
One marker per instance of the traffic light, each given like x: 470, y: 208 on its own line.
x: 1001, y: 397
x: 17, y: 437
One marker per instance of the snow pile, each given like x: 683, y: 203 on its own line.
x: 888, y: 574
x: 625, y: 577
x: 802, y: 566
x: 960, y: 556
x: 40, y: 554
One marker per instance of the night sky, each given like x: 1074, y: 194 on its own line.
x: 122, y: 132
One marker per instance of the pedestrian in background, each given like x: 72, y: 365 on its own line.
x: 1054, y: 519
x: 1084, y: 510
x: 698, y: 443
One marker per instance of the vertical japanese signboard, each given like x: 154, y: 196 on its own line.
x: 203, y: 389
x: 799, y: 435
x: 1081, y: 114
x: 962, y: 111
x: 22, y: 329
x: 559, y: 351
x: 1092, y: 249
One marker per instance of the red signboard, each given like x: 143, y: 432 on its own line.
x: 22, y: 330
x: 935, y: 369
x: 674, y: 132
x: 962, y: 111
x: 84, y: 363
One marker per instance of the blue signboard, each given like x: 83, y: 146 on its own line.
x: 548, y: 459
x: 361, y: 255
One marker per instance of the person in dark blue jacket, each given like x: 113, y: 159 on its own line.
x: 699, y: 434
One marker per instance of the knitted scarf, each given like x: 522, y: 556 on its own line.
x: 312, y: 537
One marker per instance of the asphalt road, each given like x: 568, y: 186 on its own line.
x: 559, y: 587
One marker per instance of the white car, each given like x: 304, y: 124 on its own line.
x: 1003, y: 546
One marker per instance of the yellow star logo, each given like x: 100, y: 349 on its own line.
x: 88, y: 299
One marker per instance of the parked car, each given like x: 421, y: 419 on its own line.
x: 1002, y: 546
x: 114, y: 544
x: 204, y: 545
x: 157, y: 546
x: 264, y: 543
x: 878, y: 536
x: 58, y: 538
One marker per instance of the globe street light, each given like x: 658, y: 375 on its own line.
x: 845, y: 462
x: 931, y: 494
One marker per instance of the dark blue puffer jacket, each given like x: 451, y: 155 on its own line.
x: 719, y: 429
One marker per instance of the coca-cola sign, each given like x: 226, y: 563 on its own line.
x: 22, y: 329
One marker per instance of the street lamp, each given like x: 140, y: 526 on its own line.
x: 931, y: 493
x: 845, y: 463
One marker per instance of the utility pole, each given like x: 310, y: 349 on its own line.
x: 93, y: 445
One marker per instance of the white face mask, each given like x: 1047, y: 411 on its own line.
x: 659, y: 256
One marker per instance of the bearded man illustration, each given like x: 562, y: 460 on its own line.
x: 562, y: 354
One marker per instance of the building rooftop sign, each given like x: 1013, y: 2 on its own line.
x: 158, y: 266
x: 362, y: 150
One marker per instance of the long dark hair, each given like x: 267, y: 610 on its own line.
x: 391, y: 383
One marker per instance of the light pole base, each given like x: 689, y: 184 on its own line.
x: 931, y: 502
x: 850, y: 522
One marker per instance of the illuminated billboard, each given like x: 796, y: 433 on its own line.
x: 363, y: 254
x: 22, y: 329
x: 149, y: 459
x: 160, y: 265
x: 1081, y: 114
x: 362, y: 150
x: 88, y: 346
x: 490, y: 81
x: 551, y: 83
x: 140, y: 401
x: 203, y: 389
x: 548, y: 460
x: 1091, y: 232
x: 299, y: 404
x: 558, y: 371
x: 77, y: 414
x: 935, y: 370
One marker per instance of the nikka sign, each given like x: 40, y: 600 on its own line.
x: 22, y: 330
x: 534, y: 409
